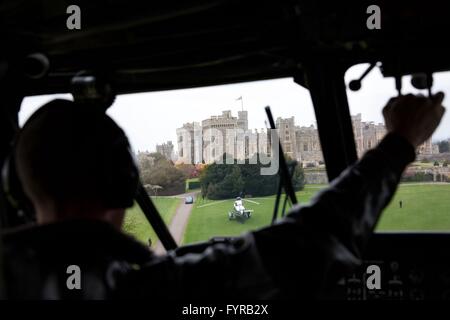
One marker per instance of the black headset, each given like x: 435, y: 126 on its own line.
x: 121, y: 176
x: 13, y: 191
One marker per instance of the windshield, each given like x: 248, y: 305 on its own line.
x: 422, y: 200
x: 202, y: 155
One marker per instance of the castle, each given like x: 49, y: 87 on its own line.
x: 208, y: 141
x: 166, y: 149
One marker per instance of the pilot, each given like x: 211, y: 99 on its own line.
x: 315, y: 244
x: 305, y: 252
x: 76, y: 168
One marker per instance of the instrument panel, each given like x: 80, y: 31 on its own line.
x: 400, y: 267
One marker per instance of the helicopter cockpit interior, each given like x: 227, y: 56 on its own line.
x: 324, y: 52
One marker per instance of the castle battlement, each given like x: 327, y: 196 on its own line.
x: 208, y: 141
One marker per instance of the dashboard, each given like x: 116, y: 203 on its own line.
x: 406, y: 267
x: 397, y: 266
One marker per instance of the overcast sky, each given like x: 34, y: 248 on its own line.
x: 151, y: 118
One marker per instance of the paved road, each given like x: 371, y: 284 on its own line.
x: 179, y: 221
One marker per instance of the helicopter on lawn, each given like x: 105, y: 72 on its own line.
x: 239, y: 212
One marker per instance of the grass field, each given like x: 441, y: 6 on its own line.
x: 137, y: 225
x: 209, y: 217
x: 426, y: 207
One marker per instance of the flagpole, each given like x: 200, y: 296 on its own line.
x: 242, y: 102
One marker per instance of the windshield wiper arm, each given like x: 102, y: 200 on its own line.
x: 285, y: 181
x: 154, y: 218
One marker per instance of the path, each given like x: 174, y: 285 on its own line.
x: 179, y: 221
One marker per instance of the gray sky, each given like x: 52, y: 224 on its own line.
x: 151, y: 118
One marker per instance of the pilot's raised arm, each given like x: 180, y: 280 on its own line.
x: 316, y: 243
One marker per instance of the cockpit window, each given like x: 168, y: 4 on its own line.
x: 422, y: 200
x: 199, y: 150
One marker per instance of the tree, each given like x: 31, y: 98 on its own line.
x: 158, y: 158
x: 444, y: 146
x: 145, y: 162
x: 232, y: 184
x: 189, y: 170
x: 212, y: 178
x: 298, y: 178
x: 221, y: 181
x: 156, y: 170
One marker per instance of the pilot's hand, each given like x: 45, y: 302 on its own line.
x: 414, y: 117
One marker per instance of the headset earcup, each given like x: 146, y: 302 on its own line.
x: 7, y: 183
x: 14, y: 193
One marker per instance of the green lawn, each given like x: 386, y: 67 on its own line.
x: 209, y: 218
x: 425, y: 208
x: 212, y: 219
x: 137, y: 225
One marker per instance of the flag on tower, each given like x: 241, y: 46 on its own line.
x: 242, y: 102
